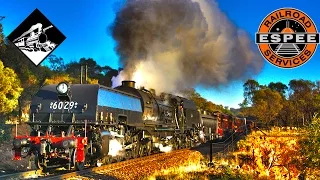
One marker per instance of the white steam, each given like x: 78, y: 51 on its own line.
x: 174, y: 45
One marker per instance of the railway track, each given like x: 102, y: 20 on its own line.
x: 100, y: 172
x: 90, y: 173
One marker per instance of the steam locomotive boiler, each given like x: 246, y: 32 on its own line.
x: 89, y: 124
x: 168, y: 117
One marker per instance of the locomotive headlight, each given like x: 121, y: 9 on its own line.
x: 17, y: 143
x: 24, y: 142
x: 64, y: 91
x: 62, y: 88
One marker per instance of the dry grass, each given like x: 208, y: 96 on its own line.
x: 257, y: 157
x: 150, y: 166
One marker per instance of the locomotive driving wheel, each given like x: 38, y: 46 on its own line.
x: 179, y: 143
x: 187, y: 142
x: 148, y: 148
x: 141, y: 150
x: 94, y: 157
x: 174, y: 143
x: 135, y: 151
x: 193, y: 143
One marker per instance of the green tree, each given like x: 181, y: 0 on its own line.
x: 56, y: 79
x: 267, y: 104
x: 56, y: 63
x: 211, y: 107
x: 103, y: 74
x: 31, y: 77
x: 2, y: 43
x: 200, y: 102
x: 279, y: 86
x: 301, y: 86
x: 287, y: 114
x: 10, y: 89
x: 304, y: 97
x: 108, y: 74
x: 250, y: 87
x: 204, y: 105
x: 63, y: 77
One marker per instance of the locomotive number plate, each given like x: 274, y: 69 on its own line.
x: 63, y: 105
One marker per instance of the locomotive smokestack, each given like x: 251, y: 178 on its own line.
x: 131, y: 84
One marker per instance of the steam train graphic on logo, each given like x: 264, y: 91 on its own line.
x: 35, y: 39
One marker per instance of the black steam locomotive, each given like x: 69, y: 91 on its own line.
x: 81, y: 124
x: 89, y: 124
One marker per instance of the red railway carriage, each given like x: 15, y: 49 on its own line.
x: 224, y: 124
x: 225, y: 121
x: 229, y: 124
x: 239, y: 124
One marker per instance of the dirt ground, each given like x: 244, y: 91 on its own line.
x: 8, y: 165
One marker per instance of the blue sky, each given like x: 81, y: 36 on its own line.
x: 85, y: 22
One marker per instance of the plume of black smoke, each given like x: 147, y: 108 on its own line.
x: 171, y: 45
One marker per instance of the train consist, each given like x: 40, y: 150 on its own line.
x: 222, y: 126
x: 89, y: 124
